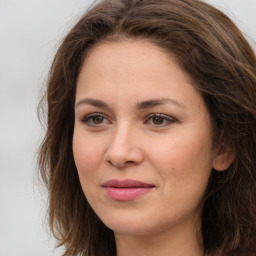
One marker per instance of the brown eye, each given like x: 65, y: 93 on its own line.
x: 158, y: 120
x: 97, y: 119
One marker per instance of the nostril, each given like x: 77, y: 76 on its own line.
x: 121, y: 164
x: 129, y: 162
x: 124, y: 156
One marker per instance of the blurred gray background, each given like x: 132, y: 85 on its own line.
x: 30, y: 31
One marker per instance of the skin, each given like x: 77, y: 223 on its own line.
x: 125, y: 140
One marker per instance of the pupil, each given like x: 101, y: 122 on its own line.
x: 158, y: 120
x: 97, y: 119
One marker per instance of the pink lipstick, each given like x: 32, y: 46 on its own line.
x: 125, y: 190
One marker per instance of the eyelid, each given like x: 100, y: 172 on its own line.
x: 86, y: 118
x: 167, y: 118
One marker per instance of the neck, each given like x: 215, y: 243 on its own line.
x: 176, y: 242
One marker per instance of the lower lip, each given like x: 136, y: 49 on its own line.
x: 126, y: 194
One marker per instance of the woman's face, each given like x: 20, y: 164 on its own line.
x: 142, y: 139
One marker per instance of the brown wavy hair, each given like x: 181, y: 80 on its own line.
x: 221, y: 64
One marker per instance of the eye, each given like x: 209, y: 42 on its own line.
x: 95, y: 120
x: 160, y: 120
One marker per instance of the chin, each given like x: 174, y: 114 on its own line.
x: 127, y: 224
x: 131, y: 229
x: 133, y: 225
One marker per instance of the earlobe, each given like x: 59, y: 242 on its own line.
x: 223, y: 159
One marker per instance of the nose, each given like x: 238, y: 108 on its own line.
x: 124, y: 148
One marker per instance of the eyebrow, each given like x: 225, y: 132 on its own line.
x: 140, y: 105
x: 157, y: 102
x: 93, y: 102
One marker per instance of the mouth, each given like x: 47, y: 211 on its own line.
x: 125, y: 190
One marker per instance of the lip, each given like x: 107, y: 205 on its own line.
x: 125, y: 190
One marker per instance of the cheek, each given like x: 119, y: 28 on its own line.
x: 87, y: 154
x: 183, y: 158
x: 88, y: 158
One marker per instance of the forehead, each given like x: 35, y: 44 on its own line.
x: 130, y: 64
x: 130, y: 55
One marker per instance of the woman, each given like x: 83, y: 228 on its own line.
x: 151, y: 133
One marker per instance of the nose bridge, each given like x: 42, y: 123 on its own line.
x: 124, y: 148
x: 121, y: 134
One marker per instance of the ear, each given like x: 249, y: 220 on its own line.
x: 223, y: 159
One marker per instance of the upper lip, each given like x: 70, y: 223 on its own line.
x: 127, y: 184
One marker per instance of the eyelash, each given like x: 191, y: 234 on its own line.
x: 169, y: 120
x: 88, y: 120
